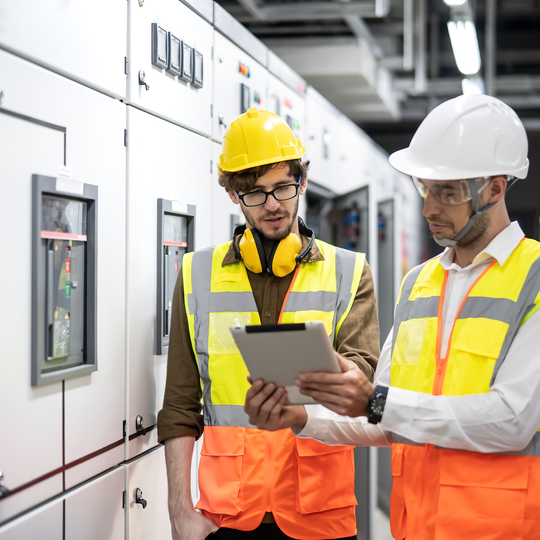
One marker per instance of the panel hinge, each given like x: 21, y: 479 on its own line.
x: 212, y: 53
x: 211, y: 165
x: 125, y: 137
x: 124, y: 429
x: 124, y: 501
x: 125, y: 65
x: 211, y: 110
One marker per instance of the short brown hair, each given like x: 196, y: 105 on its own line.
x: 245, y: 180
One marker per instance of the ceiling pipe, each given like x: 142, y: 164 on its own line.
x: 311, y: 10
x: 408, y: 35
x: 490, y: 46
x: 420, y: 74
x: 361, y: 30
x: 252, y: 7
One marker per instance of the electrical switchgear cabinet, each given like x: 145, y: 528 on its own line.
x: 176, y: 234
x: 63, y: 279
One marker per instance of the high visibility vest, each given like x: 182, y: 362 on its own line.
x: 245, y: 472
x: 447, y: 494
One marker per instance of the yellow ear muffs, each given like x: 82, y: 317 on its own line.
x: 282, y: 260
x: 252, y: 251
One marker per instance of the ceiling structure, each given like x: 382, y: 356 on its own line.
x: 387, y: 63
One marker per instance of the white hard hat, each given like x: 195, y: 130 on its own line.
x: 466, y: 137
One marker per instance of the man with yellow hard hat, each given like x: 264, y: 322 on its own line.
x: 255, y: 484
x: 456, y: 390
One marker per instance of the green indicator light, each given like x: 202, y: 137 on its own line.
x: 68, y: 289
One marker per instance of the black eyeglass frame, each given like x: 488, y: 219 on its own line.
x: 266, y: 193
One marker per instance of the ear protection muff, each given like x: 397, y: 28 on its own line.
x: 283, y: 258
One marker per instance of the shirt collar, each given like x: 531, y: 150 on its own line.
x: 499, y: 248
x: 314, y: 254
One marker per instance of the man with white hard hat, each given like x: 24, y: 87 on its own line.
x: 456, y: 388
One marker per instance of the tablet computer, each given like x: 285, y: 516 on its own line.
x: 278, y: 353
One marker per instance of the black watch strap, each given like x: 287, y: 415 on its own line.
x: 376, y: 403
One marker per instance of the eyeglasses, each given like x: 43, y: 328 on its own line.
x: 450, y: 191
x: 281, y: 193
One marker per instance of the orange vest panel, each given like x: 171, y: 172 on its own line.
x: 307, y: 485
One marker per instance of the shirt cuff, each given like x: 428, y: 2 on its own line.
x: 317, y: 423
x: 399, y: 410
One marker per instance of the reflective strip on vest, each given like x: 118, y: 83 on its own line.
x: 217, y: 297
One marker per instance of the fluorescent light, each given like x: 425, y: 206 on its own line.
x: 453, y: 3
x: 473, y: 85
x: 465, y: 46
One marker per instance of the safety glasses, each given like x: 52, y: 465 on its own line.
x: 450, y: 191
x: 282, y: 193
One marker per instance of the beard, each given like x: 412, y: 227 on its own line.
x: 277, y: 234
x: 477, y: 232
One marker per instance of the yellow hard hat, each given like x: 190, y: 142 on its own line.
x: 258, y: 138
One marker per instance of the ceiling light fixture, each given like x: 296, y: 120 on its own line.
x: 465, y: 46
x: 473, y: 85
x: 453, y: 3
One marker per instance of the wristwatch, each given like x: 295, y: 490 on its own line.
x: 376, y: 403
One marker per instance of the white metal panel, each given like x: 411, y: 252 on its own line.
x: 85, y: 41
x: 30, y: 417
x: 184, y: 177
x: 94, y: 126
x: 289, y: 104
x: 224, y: 212
x: 95, y: 510
x: 227, y: 80
x: 168, y: 96
x: 321, y: 143
x: 44, y: 523
x: 148, y: 474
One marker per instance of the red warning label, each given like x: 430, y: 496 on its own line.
x: 68, y: 266
x: 176, y: 265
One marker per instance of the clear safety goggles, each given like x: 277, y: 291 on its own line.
x: 450, y: 191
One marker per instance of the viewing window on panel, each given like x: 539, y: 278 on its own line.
x: 197, y: 69
x: 160, y: 55
x: 175, y: 54
x: 244, y: 98
x: 187, y: 63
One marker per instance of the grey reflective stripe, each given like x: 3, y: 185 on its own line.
x: 201, y: 275
x: 345, y: 264
x: 532, y: 449
x: 311, y: 300
x: 528, y: 293
x: 404, y: 307
x: 232, y: 301
x: 497, y: 309
x: 225, y: 415
x: 419, y: 308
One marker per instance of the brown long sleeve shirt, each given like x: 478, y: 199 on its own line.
x: 357, y: 340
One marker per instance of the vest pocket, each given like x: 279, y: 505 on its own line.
x: 481, y: 496
x: 477, y: 347
x: 220, y: 470
x: 336, y: 487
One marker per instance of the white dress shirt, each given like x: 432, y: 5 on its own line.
x: 501, y: 420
